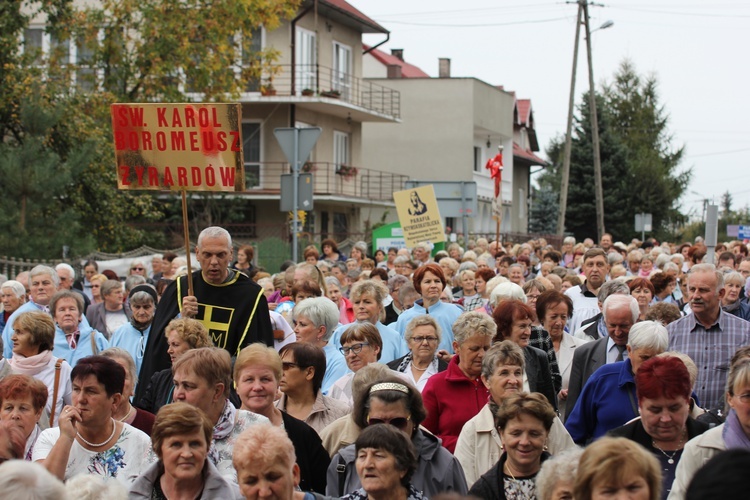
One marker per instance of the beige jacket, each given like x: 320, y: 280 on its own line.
x: 479, y: 445
x: 339, y: 434
x: 324, y: 411
x: 697, y: 452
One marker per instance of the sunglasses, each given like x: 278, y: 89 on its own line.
x: 399, y: 423
x: 136, y: 268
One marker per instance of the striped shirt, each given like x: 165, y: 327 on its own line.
x: 711, y: 349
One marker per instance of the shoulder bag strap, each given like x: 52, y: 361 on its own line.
x: 58, y: 364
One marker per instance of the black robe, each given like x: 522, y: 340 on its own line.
x: 235, y: 313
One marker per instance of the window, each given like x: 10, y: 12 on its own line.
x: 340, y: 149
x: 85, y: 73
x: 323, y: 225
x: 34, y: 44
x: 249, y: 56
x: 342, y: 70
x: 306, y: 61
x: 340, y: 226
x: 477, y: 159
x: 251, y: 151
x: 309, y: 226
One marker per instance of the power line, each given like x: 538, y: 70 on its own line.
x: 719, y: 153
x: 434, y: 25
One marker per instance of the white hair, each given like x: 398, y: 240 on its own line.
x: 68, y: 268
x: 321, y: 311
x: 215, y: 232
x: 18, y: 289
x: 507, y: 290
x: 621, y: 301
x: 22, y: 480
x: 42, y: 269
x: 92, y: 487
x: 650, y: 335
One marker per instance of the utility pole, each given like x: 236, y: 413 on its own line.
x: 594, y: 130
x: 568, y: 133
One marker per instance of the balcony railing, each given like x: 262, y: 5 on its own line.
x: 319, y: 81
x: 328, y: 179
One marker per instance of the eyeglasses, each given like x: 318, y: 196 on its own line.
x: 744, y: 398
x: 399, y: 423
x: 356, y: 348
x: 429, y: 340
x: 136, y: 268
x: 288, y: 364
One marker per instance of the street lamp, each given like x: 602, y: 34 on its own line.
x: 604, y: 26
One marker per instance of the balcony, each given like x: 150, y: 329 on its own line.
x: 329, y: 179
x: 329, y: 91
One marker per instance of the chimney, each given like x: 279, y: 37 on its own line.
x: 398, y: 53
x: 444, y: 67
x: 394, y: 71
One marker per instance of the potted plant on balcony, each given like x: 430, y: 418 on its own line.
x: 308, y: 92
x: 309, y: 167
x: 267, y: 89
x: 335, y: 94
x: 348, y: 172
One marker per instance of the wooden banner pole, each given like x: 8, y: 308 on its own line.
x: 187, y: 242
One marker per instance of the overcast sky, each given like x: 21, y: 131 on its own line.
x: 698, y: 51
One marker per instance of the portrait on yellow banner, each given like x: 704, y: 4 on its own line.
x: 419, y: 215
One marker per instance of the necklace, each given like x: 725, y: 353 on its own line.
x: 128, y: 414
x: 99, y: 445
x: 670, y: 458
x: 517, y: 481
x: 414, y: 365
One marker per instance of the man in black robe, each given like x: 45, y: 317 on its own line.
x: 230, y: 305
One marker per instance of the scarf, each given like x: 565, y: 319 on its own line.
x: 72, y: 338
x: 361, y: 494
x: 733, y: 434
x: 31, y: 365
x: 223, y: 429
x: 732, y: 307
x: 408, y: 359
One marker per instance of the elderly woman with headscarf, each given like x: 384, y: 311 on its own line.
x: 133, y: 336
x: 454, y: 396
x: 367, y: 298
x: 429, y: 281
x: 479, y: 445
x: 394, y: 402
x: 609, y: 398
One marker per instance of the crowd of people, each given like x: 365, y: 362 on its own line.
x: 588, y: 371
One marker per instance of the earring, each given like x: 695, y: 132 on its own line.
x: 545, y: 448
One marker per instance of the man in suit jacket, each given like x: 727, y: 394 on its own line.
x: 620, y: 312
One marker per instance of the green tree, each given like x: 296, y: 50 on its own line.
x: 639, y: 165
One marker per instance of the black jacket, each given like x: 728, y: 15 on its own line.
x: 538, y: 374
x: 490, y: 485
x: 393, y: 365
x: 312, y: 458
x: 158, y: 392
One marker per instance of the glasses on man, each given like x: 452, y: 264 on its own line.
x: 399, y: 423
x: 420, y: 340
x: 356, y: 348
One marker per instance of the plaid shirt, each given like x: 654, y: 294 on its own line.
x: 542, y: 340
x: 711, y: 349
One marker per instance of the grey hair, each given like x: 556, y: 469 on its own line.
x: 506, y: 290
x: 561, y: 467
x: 398, y: 279
x: 42, y: 269
x: 406, y: 290
x: 692, y: 368
x: 321, y: 311
x: 142, y: 297
x: 569, y: 240
x: 473, y: 323
x: 671, y: 267
x: 29, y: 480
x: 448, y: 292
x: 215, y: 232
x: 734, y: 277
x: 506, y: 352
x: 679, y: 257
x: 469, y: 255
x: 707, y: 268
x: 94, y: 487
x: 467, y: 265
x: 662, y: 259
x: 612, y: 287
x: 133, y: 281
x: 362, y: 247
x: 648, y: 335
x: 422, y: 320
x: 491, y: 284
x: 621, y: 301
x: 67, y: 267
x: 332, y: 280
x: 120, y: 353
x: 369, y: 287
x: 18, y: 289
x: 614, y: 258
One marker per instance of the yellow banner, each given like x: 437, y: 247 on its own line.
x: 419, y: 215
x: 192, y: 147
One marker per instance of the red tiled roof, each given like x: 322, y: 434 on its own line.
x: 527, y: 155
x: 407, y: 70
x: 349, y: 9
x: 524, y: 111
